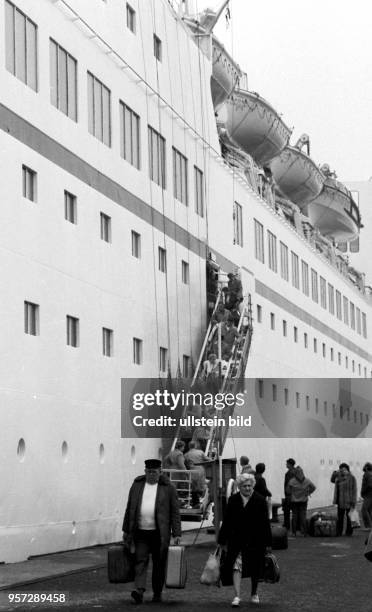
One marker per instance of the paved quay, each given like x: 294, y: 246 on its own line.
x: 317, y: 575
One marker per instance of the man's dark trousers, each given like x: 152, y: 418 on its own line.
x: 148, y: 543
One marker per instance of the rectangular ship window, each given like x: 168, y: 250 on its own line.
x: 157, y: 157
x: 107, y: 342
x: 305, y: 340
x: 297, y: 399
x: 358, y: 321
x: 129, y: 135
x: 331, y: 299
x: 21, y: 46
x: 163, y: 354
x: 99, y: 110
x: 105, y: 227
x: 315, y: 345
x: 274, y: 393
x: 70, y: 207
x: 307, y: 402
x: 285, y: 396
x: 137, y: 351
x: 284, y: 268
x: 323, y: 349
x: 157, y: 48
x: 260, y: 388
x: 332, y: 354
x: 314, y: 285
x: 185, y: 273
x: 323, y: 292
x: 295, y: 270
x: 63, y: 80
x: 31, y: 318
x: 186, y: 366
x: 271, y: 247
x: 136, y: 244
x: 131, y: 18
x: 284, y: 327
x: 238, y: 224
x: 199, y: 192
x: 346, y: 310
x: 72, y: 331
x: 295, y: 334
x: 180, y: 188
x: 29, y: 184
x: 338, y: 305
x: 259, y: 241
x: 259, y: 313
x: 364, y: 324
x: 352, y: 315
x: 272, y: 320
x: 305, y: 277
x: 162, y: 260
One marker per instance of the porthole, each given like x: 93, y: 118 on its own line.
x: 21, y: 450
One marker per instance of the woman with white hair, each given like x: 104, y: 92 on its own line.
x: 245, y: 535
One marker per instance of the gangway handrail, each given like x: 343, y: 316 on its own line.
x: 206, y: 339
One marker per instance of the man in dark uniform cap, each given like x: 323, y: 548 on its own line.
x: 152, y: 514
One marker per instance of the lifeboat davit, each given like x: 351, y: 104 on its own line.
x: 334, y: 213
x: 297, y: 176
x: 225, y: 74
x: 255, y: 126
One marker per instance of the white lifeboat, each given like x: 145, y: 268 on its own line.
x: 297, y: 175
x: 334, y: 213
x: 225, y: 74
x: 255, y: 126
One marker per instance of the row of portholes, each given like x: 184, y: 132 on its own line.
x: 330, y: 462
x: 133, y: 456
x: 21, y: 451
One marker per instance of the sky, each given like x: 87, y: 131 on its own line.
x: 312, y: 61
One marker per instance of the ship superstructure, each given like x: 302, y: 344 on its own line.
x: 119, y: 184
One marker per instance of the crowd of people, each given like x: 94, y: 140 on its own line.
x: 153, y: 515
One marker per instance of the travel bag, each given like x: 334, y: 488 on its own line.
x: 325, y: 527
x: 176, y: 573
x: 279, y: 537
x: 120, y: 564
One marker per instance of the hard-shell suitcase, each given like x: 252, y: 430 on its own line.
x: 120, y: 564
x: 176, y: 573
x: 279, y: 537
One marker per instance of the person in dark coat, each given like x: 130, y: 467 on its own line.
x: 345, y: 496
x: 260, y: 486
x: 286, y: 501
x: 245, y: 536
x: 366, y: 494
x: 152, y: 514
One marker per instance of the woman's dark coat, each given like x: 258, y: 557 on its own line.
x: 167, y: 513
x: 245, y: 529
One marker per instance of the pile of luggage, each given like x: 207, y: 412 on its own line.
x: 321, y: 524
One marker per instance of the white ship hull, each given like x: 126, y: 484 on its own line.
x: 65, y: 470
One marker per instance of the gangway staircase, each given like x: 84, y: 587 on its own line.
x: 231, y: 381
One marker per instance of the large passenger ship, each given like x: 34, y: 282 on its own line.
x: 135, y: 163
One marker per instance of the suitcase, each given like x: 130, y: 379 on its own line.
x: 368, y: 548
x: 120, y: 564
x: 176, y: 573
x: 325, y: 527
x: 279, y: 537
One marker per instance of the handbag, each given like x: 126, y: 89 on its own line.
x: 368, y: 548
x: 211, y: 571
x: 354, y: 518
x: 271, y: 569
